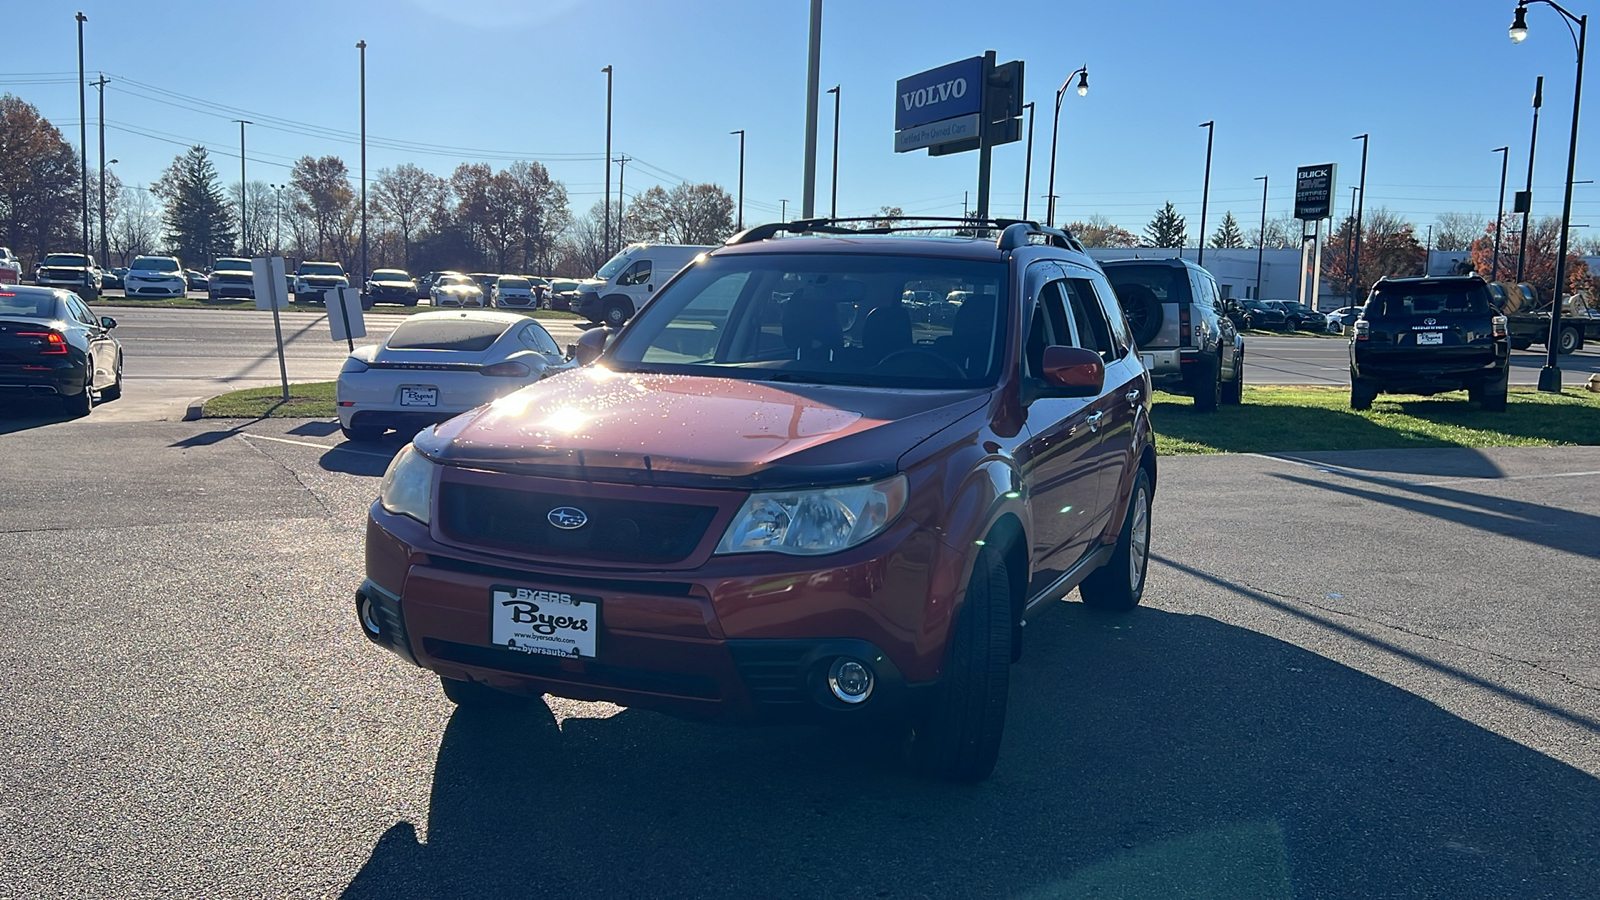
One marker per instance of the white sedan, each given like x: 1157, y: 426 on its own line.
x: 436, y: 365
x: 456, y: 290
x: 155, y: 276
x: 511, y: 291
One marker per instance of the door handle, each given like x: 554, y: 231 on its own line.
x: 1133, y: 395
x: 1094, y: 420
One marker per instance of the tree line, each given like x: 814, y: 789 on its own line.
x: 513, y: 219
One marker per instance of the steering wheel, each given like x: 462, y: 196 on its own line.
x: 947, y: 368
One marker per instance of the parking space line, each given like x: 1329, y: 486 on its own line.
x: 263, y: 437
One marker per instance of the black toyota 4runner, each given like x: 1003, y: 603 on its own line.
x: 1427, y: 336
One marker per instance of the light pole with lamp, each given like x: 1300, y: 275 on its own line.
x: 1361, y: 204
x: 1499, y: 212
x: 1027, y: 172
x: 833, y: 205
x: 1550, y: 375
x: 1082, y: 75
x: 784, y: 215
x: 1261, y: 237
x: 605, y: 244
x: 1205, y: 193
x: 740, y: 133
x: 277, y: 219
x: 83, y: 149
x: 243, y: 187
x: 1527, y: 193
x: 100, y: 86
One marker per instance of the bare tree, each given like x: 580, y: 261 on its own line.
x: 688, y: 214
x: 1099, y: 231
x: 1457, y: 231
x: 261, y: 207
x: 404, y: 197
x: 134, y: 227
x: 324, y: 200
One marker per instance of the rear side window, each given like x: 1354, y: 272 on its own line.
x: 1423, y: 299
x: 467, y: 335
x: 1089, y: 320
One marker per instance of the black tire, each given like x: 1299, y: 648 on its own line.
x: 615, y: 313
x: 1233, y: 391
x: 1208, y: 392
x: 412, y: 301
x: 364, y: 433
x: 114, y: 392
x: 1142, y: 308
x: 1118, y: 585
x: 1492, y: 395
x: 1362, y: 393
x: 80, y: 404
x: 1568, y: 340
x: 957, y: 737
x: 474, y: 694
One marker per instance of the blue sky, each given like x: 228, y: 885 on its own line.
x: 1437, y: 84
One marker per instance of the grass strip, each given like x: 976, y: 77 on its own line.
x: 313, y: 400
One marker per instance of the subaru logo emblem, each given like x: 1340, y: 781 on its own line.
x: 568, y: 518
x: 1430, y: 321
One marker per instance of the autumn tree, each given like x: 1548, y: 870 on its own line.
x: 1389, y: 247
x: 324, y: 203
x: 1539, y: 270
x: 39, y: 182
x: 198, y: 218
x: 1227, y: 235
x: 1099, y: 231
x: 1167, y: 229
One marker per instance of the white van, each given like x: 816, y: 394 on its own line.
x: 630, y: 279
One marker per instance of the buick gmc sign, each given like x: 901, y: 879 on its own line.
x: 938, y: 94
x: 1313, y: 192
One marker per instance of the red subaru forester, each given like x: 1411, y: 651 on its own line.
x: 819, y: 476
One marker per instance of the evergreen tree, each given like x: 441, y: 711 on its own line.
x: 1227, y: 234
x: 1167, y: 229
x: 197, y: 215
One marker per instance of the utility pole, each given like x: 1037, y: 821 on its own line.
x: 1533, y: 142
x: 83, y: 150
x: 101, y: 87
x: 740, y: 133
x: 622, y: 172
x: 964, y: 212
x: 784, y: 215
x: 244, y: 187
x: 1355, y: 281
x: 277, y: 219
x: 1205, y: 194
x: 1261, y: 237
x: 362, y: 46
x: 813, y: 64
x: 1027, y: 172
x: 606, y: 244
x: 1499, y: 212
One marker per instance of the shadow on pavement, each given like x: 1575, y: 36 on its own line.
x: 23, y: 413
x: 315, y: 428
x: 1147, y: 755
x: 364, y: 458
x: 1444, y: 462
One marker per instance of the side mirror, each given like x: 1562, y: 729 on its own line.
x: 107, y: 322
x: 1073, y: 371
x: 589, y: 345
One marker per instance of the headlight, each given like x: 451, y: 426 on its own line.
x: 408, y: 485
x: 809, y: 523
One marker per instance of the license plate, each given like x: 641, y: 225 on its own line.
x: 1430, y: 337
x: 415, y: 396
x: 542, y: 621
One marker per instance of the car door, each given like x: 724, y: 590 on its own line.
x: 1057, y: 456
x: 1098, y: 325
x: 101, y: 348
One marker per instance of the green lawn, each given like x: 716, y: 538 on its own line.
x: 306, y: 401
x: 1274, y: 419
x: 380, y: 309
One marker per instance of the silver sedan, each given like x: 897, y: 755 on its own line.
x: 436, y: 365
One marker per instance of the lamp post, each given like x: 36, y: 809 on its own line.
x: 1427, y: 252
x: 243, y: 186
x: 1355, y: 259
x: 1499, y: 212
x: 784, y: 215
x: 1055, y: 131
x: 362, y: 46
x: 83, y: 149
x: 605, y: 244
x: 1261, y: 237
x: 1205, y: 193
x: 740, y: 133
x: 1550, y: 375
x: 277, y: 219
x: 1527, y: 193
x: 808, y: 190
x: 1027, y: 172
x: 100, y: 85
x: 833, y: 205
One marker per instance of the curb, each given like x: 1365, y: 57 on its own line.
x: 195, y: 409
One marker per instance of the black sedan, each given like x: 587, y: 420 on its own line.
x: 1258, y: 315
x: 392, y: 286
x: 52, y: 345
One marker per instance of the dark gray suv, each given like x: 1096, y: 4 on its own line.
x: 1185, y: 338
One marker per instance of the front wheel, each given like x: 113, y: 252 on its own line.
x: 1568, y: 340
x: 1492, y: 396
x: 1208, y: 392
x: 957, y: 737
x: 1361, y: 393
x: 1233, y: 391
x: 615, y: 314
x: 114, y: 391
x: 1119, y: 584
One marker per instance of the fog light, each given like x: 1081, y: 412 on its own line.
x: 850, y: 679
x: 369, y: 616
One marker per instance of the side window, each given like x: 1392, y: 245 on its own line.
x: 638, y: 273
x: 79, y: 311
x: 1094, y: 332
x: 536, y: 338
x: 1121, y: 333
x: 1048, y: 328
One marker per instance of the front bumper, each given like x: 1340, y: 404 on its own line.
x: 1410, y: 372
x: 154, y: 289
x: 232, y: 289
x: 729, y: 639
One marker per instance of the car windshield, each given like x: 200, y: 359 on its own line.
x: 155, y: 264
x: 1423, y: 299
x: 617, y: 263
x: 63, y: 259
x: 466, y: 335
x: 1255, y: 304
x: 321, y: 269
x: 563, y: 286
x: 1294, y: 306
x: 1165, y: 282
x: 30, y: 305
x: 390, y: 275
x: 520, y: 283
x: 456, y: 281
x: 231, y: 265
x: 823, y: 319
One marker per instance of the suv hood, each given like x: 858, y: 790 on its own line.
x: 673, y: 429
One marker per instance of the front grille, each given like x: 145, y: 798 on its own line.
x: 773, y: 671
x: 616, y: 531
x: 234, y: 279
x: 593, y: 673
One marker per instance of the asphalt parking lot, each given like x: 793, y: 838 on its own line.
x: 1360, y: 674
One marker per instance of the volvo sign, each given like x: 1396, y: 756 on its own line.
x: 947, y: 92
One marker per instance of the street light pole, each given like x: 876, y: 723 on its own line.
x: 1205, y: 194
x: 362, y: 46
x: 101, y: 87
x: 277, y: 219
x: 605, y: 244
x: 1055, y: 132
x: 813, y: 73
x: 784, y: 215
x: 1550, y: 375
x: 243, y: 187
x: 1533, y: 142
x: 622, y: 173
x: 833, y: 205
x: 740, y: 133
x: 1361, y: 204
x: 83, y: 149
x: 1261, y: 237
x: 1499, y: 212
x: 1027, y: 172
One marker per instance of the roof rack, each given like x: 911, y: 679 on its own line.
x: 1014, y: 233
